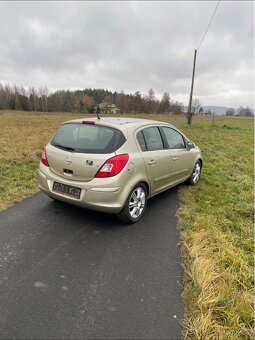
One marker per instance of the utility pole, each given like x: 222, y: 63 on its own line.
x: 191, y: 90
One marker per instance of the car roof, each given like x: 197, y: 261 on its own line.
x: 120, y: 122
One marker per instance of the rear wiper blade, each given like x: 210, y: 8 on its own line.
x: 64, y: 147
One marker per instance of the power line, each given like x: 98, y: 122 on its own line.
x: 189, y: 115
x: 208, y: 26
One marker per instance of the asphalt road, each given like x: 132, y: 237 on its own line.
x: 69, y: 273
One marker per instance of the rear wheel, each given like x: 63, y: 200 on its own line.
x: 135, y: 205
x: 196, y: 173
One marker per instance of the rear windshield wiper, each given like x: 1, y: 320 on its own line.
x: 64, y: 147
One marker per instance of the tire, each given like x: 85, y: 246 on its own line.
x: 196, y: 174
x: 135, y: 205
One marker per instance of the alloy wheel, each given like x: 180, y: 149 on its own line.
x: 137, y: 202
x: 196, y: 172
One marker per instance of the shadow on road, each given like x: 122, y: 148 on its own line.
x: 101, y: 220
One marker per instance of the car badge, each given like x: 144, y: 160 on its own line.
x: 88, y: 162
x: 68, y: 160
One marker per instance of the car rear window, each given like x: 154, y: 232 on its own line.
x: 85, y: 138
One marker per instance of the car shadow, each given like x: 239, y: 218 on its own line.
x: 156, y: 209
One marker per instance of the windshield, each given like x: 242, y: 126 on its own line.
x: 87, y: 138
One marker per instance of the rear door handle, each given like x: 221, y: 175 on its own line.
x: 175, y: 158
x: 151, y: 162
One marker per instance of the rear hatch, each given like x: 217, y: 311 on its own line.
x: 78, y: 151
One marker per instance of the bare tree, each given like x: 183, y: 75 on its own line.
x: 4, y: 98
x: 43, y: 93
x: 121, y: 101
x: 88, y: 103
x: 164, y: 105
x: 151, y: 101
x: 176, y: 107
x: 230, y: 112
x: 138, y: 105
x: 33, y: 98
x: 248, y: 112
x: 195, y: 106
x: 240, y: 111
x: 108, y: 99
x: 22, y: 91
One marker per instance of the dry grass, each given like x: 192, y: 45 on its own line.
x: 21, y: 139
x: 216, y: 221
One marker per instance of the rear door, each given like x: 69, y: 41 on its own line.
x: 156, y: 156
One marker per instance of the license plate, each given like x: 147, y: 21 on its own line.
x: 67, y: 190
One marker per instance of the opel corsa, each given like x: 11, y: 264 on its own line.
x: 115, y: 164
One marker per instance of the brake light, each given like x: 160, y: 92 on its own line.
x: 44, y: 157
x: 90, y: 122
x: 113, y: 166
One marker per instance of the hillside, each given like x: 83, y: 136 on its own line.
x: 218, y: 110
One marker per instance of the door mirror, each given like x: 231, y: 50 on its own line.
x: 190, y: 145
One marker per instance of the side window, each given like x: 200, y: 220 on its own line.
x: 174, y: 138
x: 141, y: 140
x: 153, y: 139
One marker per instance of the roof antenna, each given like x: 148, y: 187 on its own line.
x: 98, y: 111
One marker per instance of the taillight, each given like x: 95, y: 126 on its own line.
x: 113, y: 166
x: 89, y: 122
x: 44, y: 157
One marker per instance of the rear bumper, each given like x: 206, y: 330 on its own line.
x: 110, y: 197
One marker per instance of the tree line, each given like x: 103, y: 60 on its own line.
x: 241, y: 111
x: 15, y: 97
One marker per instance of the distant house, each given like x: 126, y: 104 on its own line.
x: 106, y: 107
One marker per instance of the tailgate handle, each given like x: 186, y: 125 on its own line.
x: 175, y: 159
x: 68, y: 171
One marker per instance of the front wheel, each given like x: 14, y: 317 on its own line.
x: 135, y: 205
x: 196, y: 173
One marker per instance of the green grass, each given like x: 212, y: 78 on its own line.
x: 216, y: 221
x: 215, y: 217
x: 17, y: 181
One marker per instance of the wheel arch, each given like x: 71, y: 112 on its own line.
x: 201, y: 161
x: 147, y: 186
x: 125, y: 215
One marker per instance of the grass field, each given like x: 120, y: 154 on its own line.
x: 216, y: 221
x: 215, y: 217
x: 22, y: 136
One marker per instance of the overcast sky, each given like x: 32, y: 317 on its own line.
x: 131, y: 46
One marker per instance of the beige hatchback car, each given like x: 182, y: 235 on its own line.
x: 115, y: 164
